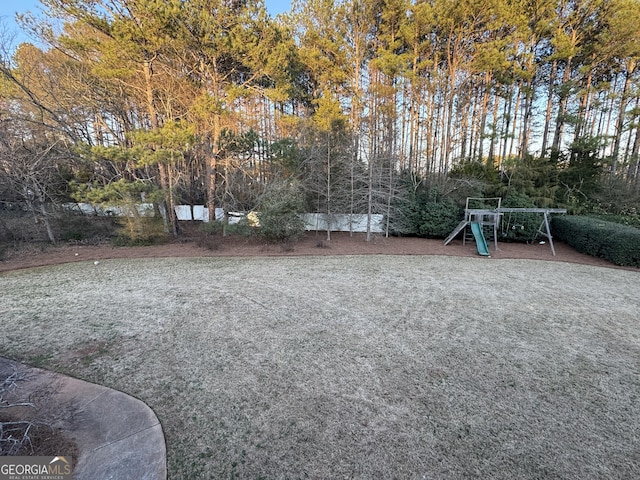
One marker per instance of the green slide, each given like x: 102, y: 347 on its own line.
x: 481, y: 243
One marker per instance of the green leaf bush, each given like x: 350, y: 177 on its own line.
x: 426, y: 213
x: 279, y: 215
x: 438, y: 218
x: 620, y: 244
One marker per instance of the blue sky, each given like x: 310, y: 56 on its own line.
x: 9, y: 8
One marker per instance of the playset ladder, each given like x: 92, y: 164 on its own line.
x: 457, y: 230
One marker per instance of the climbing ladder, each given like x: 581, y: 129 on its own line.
x: 457, y: 230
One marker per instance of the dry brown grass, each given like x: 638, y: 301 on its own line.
x: 352, y: 367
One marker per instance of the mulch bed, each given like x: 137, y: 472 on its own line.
x: 311, y: 244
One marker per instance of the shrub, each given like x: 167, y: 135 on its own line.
x: 280, y: 210
x: 438, y: 217
x: 76, y: 227
x: 6, y: 235
x: 135, y: 227
x: 620, y: 244
x: 282, y: 227
x: 426, y: 214
x: 243, y: 228
x: 140, y: 231
x: 632, y: 218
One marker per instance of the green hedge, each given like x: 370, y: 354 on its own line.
x: 437, y: 219
x: 425, y: 213
x: 617, y: 243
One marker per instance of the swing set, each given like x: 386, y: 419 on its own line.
x: 486, y: 215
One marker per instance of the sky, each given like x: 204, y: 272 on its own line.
x: 9, y: 8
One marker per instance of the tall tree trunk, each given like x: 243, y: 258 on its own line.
x: 549, y: 109
x: 170, y: 225
x: 514, y: 122
x: 473, y: 126
x: 450, y: 113
x: 583, y: 107
x: 329, y: 212
x: 430, y: 135
x: 556, y: 145
x: 414, y: 113
x: 508, y: 103
x: 621, y: 114
x: 483, y: 114
x: 465, y: 113
x: 211, y: 166
x: 605, y: 128
x: 529, y: 94
x: 494, y: 130
x: 633, y: 155
x: 370, y: 198
x: 414, y: 141
x: 40, y: 199
x: 634, y: 166
x: 525, y: 130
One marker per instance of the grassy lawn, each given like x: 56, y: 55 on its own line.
x: 352, y: 367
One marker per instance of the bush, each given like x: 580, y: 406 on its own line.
x: 135, y: 228
x: 242, y: 228
x: 75, y: 227
x: 280, y: 226
x: 632, y: 220
x: 280, y: 210
x: 438, y: 218
x: 140, y: 231
x: 620, y: 244
x: 426, y: 214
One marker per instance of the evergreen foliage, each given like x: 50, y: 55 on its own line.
x: 138, y: 225
x: 519, y: 227
x: 535, y: 178
x: 426, y: 213
x: 279, y: 213
x: 580, y: 175
x: 617, y: 243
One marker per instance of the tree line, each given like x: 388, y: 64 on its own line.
x: 361, y: 104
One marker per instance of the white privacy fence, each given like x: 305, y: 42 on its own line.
x: 144, y: 209
x: 342, y: 222
x: 197, y: 212
x: 337, y: 222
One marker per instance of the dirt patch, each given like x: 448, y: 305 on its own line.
x: 44, y: 440
x: 310, y: 244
